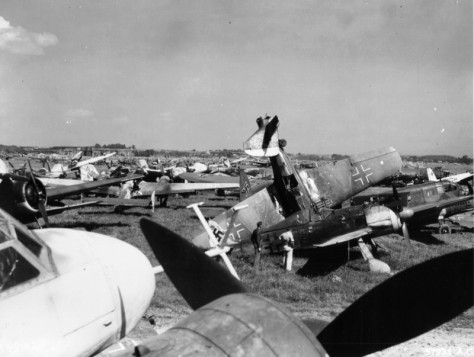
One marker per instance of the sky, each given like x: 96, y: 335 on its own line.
x: 343, y: 76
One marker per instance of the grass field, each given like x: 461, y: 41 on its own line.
x: 323, y: 282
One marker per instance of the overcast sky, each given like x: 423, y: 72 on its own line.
x: 343, y: 76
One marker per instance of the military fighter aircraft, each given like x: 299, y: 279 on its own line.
x: 422, y: 204
x: 230, y: 321
x: 459, y: 178
x: 306, y: 201
x: 25, y: 197
x: 207, y: 178
x: 61, y: 171
x: 246, y: 189
x: 66, y: 292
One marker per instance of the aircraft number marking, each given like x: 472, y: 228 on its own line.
x: 362, y: 174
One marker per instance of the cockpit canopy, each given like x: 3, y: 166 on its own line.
x: 24, y: 257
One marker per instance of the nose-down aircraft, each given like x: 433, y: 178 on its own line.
x: 306, y: 201
x: 230, y: 321
x: 65, y: 292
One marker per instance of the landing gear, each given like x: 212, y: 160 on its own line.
x: 444, y: 229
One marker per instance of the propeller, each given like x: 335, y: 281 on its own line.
x: 199, y: 279
x: 404, y: 306
x: 41, y: 199
x: 403, y: 214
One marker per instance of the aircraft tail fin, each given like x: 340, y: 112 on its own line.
x: 431, y: 174
x: 3, y: 167
x: 88, y: 172
x: 57, y: 168
x: 245, y: 187
x: 143, y: 164
x: 265, y: 141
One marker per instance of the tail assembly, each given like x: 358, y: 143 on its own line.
x: 431, y: 174
x: 143, y: 164
x: 264, y: 142
x: 245, y: 186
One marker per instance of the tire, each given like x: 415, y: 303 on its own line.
x: 445, y: 229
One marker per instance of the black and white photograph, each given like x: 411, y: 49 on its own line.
x: 236, y: 178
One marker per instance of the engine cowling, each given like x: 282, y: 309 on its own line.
x: 237, y: 325
x: 381, y: 218
x: 20, y: 197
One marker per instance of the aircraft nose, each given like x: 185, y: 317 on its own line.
x: 133, y: 276
x: 382, y: 217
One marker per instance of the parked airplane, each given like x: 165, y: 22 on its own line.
x: 459, y: 178
x: 305, y: 201
x: 67, y: 292
x: 61, y: 171
x: 230, y: 321
x: 246, y: 189
x: 26, y: 197
x: 465, y: 220
x: 208, y: 178
x: 153, y: 175
x: 422, y: 204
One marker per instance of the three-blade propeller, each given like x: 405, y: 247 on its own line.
x: 404, y: 306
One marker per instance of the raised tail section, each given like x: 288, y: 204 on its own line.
x: 431, y: 175
x: 264, y: 142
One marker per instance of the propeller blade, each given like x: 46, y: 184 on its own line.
x: 199, y: 279
x: 41, y: 207
x: 43, y: 212
x: 404, y: 306
x: 405, y: 232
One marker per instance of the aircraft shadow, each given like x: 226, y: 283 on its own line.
x: 324, y: 260
x: 426, y: 236
x: 121, y: 212
x: 88, y: 226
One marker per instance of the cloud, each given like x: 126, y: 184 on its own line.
x: 166, y: 116
x: 17, y: 40
x: 121, y: 120
x: 79, y: 113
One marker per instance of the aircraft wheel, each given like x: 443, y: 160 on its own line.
x: 445, y: 229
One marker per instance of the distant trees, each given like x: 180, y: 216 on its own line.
x: 465, y: 160
x: 440, y: 158
x: 114, y: 146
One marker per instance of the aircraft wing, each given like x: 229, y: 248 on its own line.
x: 59, y: 182
x: 55, y: 210
x: 208, y: 178
x: 463, y: 220
x: 60, y: 192
x: 260, y: 207
x: 346, y: 237
x: 91, y: 161
x: 451, y: 202
x: 147, y: 188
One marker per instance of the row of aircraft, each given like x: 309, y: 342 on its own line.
x: 90, y: 290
